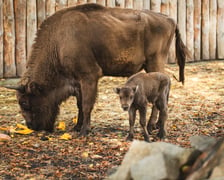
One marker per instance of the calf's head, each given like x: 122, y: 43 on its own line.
x: 127, y: 95
x: 38, y: 109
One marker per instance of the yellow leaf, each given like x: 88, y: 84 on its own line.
x: 21, y: 126
x: 85, y: 155
x: 75, y: 120
x: 65, y: 136
x: 4, y: 128
x: 24, y: 131
x: 61, y: 126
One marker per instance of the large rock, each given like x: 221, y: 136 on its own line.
x: 157, y: 160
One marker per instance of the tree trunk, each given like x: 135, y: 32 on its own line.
x: 155, y: 5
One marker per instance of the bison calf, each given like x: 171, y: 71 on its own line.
x: 140, y: 89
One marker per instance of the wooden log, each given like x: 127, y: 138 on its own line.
x: 155, y: 5
x: 173, y: 15
x: 190, y: 28
x: 205, y: 30
x: 20, y: 44
x: 137, y: 4
x: 102, y: 2
x: 50, y: 7
x: 41, y: 14
x: 146, y: 4
x: 60, y: 4
x: 197, y: 30
x: 72, y: 3
x: 220, y: 30
x: 164, y: 9
x: 9, y: 39
x: 181, y: 19
x: 212, y: 28
x: 1, y: 39
x: 31, y: 24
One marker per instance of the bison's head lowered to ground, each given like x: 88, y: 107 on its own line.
x: 37, y: 107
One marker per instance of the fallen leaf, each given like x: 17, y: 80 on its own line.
x: 61, y: 126
x: 75, y: 120
x: 85, y: 155
x: 4, y: 137
x: 21, y: 126
x: 24, y: 131
x: 65, y: 136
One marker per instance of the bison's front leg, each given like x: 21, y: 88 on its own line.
x: 89, y: 90
x: 79, y: 124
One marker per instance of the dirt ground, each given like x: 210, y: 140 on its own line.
x: 197, y: 108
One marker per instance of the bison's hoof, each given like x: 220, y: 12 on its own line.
x: 130, y: 137
x: 161, y: 135
x: 150, y: 128
x: 146, y: 138
x: 77, y: 128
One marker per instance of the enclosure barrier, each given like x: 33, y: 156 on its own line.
x: 200, y: 22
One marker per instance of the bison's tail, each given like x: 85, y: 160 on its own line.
x: 181, y: 54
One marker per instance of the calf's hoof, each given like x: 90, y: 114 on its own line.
x: 146, y: 138
x: 161, y: 135
x: 151, y: 127
x: 130, y: 137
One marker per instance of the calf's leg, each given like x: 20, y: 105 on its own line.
x: 152, y: 121
x: 132, y: 116
x: 142, y: 113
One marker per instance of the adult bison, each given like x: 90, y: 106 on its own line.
x: 78, y: 45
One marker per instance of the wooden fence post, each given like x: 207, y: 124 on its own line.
x: 205, y: 29
x: 165, y: 7
x: 190, y: 27
x: 128, y: 3
x: 146, y: 4
x: 72, y: 3
x: 31, y: 24
x: 181, y: 18
x: 110, y: 3
x: 137, y: 4
x: 9, y: 39
x: 220, y: 30
x: 212, y: 29
x: 60, y: 4
x: 173, y: 14
x: 102, y: 2
x: 50, y: 7
x: 20, y: 44
x: 197, y: 30
x: 155, y: 5
x: 41, y: 14
x: 1, y: 39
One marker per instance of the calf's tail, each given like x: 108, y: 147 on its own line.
x: 181, y: 54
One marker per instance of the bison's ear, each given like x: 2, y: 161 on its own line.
x: 34, y: 88
x: 117, y: 90
x: 19, y: 88
x: 135, y: 89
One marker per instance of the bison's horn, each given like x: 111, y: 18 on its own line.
x: 18, y: 88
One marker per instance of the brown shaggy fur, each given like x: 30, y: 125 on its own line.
x: 76, y: 46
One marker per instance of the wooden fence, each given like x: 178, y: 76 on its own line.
x: 201, y: 23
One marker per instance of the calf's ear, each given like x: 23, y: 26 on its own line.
x: 117, y: 90
x: 135, y: 89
